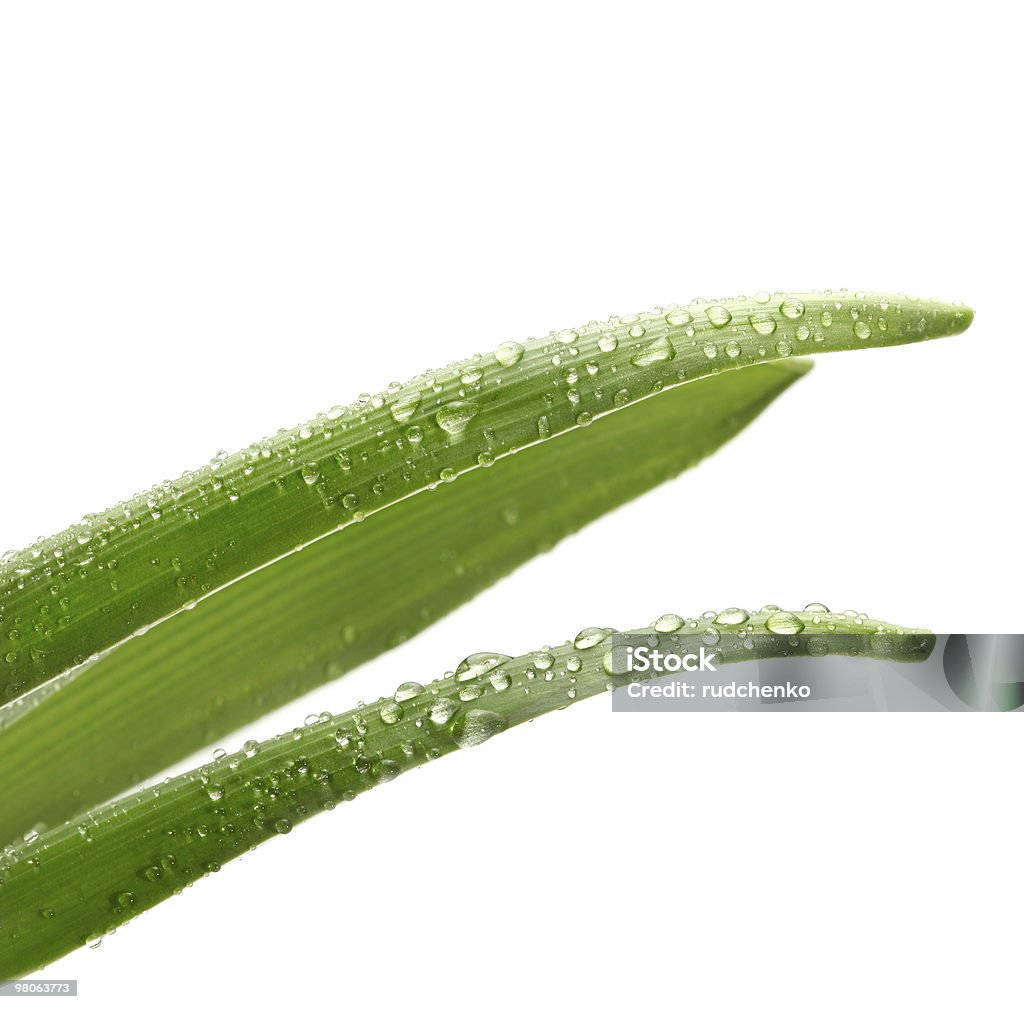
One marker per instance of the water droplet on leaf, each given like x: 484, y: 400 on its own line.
x: 479, y: 663
x: 589, y: 637
x: 763, y: 323
x: 404, y: 407
x: 719, y: 316
x: 391, y: 712
x: 408, y: 690
x: 655, y: 351
x: 454, y: 417
x: 785, y: 623
x: 668, y: 623
x: 732, y: 616
x: 476, y: 726
x: 509, y: 353
x: 442, y: 710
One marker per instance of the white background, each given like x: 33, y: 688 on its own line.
x: 217, y: 219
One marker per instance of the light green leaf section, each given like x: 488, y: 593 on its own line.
x: 289, y: 627
x: 84, y: 591
x: 78, y: 881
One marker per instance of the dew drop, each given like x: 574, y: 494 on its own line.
x: 442, y: 709
x: 732, y: 616
x: 408, y: 690
x: 479, y: 663
x: 678, y: 317
x: 500, y: 680
x: 589, y: 637
x: 404, y: 407
x: 784, y: 623
x: 454, y: 417
x: 861, y: 330
x: 655, y: 351
x: 476, y: 726
x: 608, y: 342
x: 719, y: 316
x: 509, y: 353
x: 470, y: 691
x: 792, y: 308
x: 386, y: 770
x: 391, y: 712
x: 763, y: 323
x: 668, y: 623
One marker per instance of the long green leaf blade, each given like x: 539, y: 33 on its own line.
x: 78, y: 881
x: 84, y: 591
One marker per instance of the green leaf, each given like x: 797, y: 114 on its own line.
x: 82, y: 592
x: 76, y: 882
x: 287, y: 628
